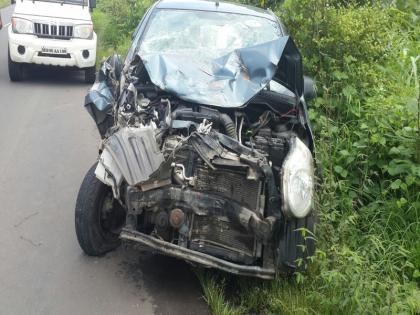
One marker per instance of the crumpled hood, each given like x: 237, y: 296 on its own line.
x: 230, y: 80
x: 51, y: 10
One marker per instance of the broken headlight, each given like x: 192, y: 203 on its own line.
x: 22, y: 26
x: 84, y: 31
x: 298, y: 180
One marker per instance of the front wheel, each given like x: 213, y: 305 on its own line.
x: 98, y: 216
x: 15, y: 69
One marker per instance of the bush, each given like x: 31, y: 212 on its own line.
x: 115, y: 21
x: 364, y: 58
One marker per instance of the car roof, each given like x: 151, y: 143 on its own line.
x: 215, y: 6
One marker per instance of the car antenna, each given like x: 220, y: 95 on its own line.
x: 217, y: 3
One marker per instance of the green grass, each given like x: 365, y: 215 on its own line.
x: 214, y: 294
x: 4, y: 3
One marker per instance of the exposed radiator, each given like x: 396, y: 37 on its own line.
x: 231, y: 184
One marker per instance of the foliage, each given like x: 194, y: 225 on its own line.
x: 115, y: 21
x: 214, y: 294
x: 364, y: 56
x: 3, y: 4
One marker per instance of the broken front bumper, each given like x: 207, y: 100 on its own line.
x: 202, y: 204
x: 197, y: 257
x: 241, y: 223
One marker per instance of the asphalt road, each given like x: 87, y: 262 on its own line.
x: 47, y: 143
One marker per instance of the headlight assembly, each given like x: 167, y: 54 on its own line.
x: 22, y: 26
x: 298, y: 180
x: 84, y: 31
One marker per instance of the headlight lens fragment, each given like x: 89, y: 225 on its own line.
x: 298, y: 180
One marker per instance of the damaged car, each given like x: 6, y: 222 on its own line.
x: 207, y: 153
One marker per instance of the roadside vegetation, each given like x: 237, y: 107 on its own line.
x: 115, y: 21
x: 4, y: 3
x: 364, y: 56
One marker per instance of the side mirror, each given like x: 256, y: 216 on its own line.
x: 309, y: 88
x: 92, y: 4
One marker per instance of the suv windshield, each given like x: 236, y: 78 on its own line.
x: 204, y: 34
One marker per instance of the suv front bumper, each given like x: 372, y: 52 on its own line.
x: 33, y: 50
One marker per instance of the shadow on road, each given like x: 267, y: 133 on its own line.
x: 54, y: 75
x: 181, y: 284
x: 171, y: 283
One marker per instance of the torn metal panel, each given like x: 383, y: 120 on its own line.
x: 136, y: 153
x: 101, y: 97
x: 290, y: 69
x: 227, y: 81
x: 108, y: 172
x: 99, y: 102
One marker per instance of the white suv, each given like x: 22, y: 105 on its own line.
x: 50, y: 32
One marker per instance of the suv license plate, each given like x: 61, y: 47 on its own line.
x: 54, y: 51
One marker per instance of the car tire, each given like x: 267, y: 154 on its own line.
x: 15, y: 69
x: 90, y: 75
x: 94, y: 238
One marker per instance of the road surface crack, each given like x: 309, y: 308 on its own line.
x: 26, y: 219
x: 30, y: 241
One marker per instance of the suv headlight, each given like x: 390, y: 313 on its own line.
x: 22, y: 26
x: 298, y: 180
x: 84, y: 31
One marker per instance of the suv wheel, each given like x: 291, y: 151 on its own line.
x: 90, y: 75
x: 15, y: 69
x: 98, y: 216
